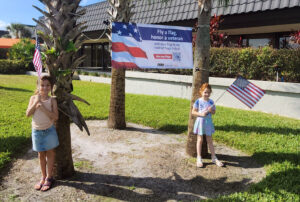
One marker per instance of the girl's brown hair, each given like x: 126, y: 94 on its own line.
x: 203, y: 87
x: 44, y: 78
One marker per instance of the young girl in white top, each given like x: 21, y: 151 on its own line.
x: 204, y: 108
x: 44, y: 137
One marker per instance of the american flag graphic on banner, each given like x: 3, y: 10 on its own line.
x: 126, y: 51
x: 245, y: 91
x: 37, y: 59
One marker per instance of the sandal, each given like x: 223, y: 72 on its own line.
x: 217, y: 162
x: 199, y: 163
x: 48, y: 184
x: 39, y: 185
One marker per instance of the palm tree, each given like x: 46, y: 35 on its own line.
x: 19, y: 31
x: 121, y: 12
x: 63, y: 37
x: 14, y: 29
x: 201, y: 68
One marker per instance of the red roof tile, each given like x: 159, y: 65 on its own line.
x: 8, y: 43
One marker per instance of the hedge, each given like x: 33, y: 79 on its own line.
x: 257, y: 64
x: 3, y: 53
x: 12, y: 67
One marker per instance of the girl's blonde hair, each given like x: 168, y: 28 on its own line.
x: 203, y: 87
x: 44, y: 78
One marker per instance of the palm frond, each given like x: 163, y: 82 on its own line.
x: 223, y: 2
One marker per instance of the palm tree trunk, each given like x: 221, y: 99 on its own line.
x: 63, y: 167
x: 200, y: 73
x: 61, y: 33
x: 116, y: 117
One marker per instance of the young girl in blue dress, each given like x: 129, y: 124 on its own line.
x: 43, y: 108
x: 203, y: 108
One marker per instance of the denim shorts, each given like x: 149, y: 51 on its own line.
x: 44, y: 140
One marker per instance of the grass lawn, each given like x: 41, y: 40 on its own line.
x: 272, y: 140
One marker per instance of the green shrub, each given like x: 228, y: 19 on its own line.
x: 105, y: 75
x: 22, y: 50
x: 94, y: 74
x: 85, y: 73
x: 12, y: 67
x: 258, y: 64
x: 3, y: 53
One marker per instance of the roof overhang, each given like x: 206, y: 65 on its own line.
x: 263, y: 29
x: 105, y: 40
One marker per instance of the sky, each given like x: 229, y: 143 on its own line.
x: 21, y: 11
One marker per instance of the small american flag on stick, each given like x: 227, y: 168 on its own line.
x: 245, y: 91
x: 37, y: 59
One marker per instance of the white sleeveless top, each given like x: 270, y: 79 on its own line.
x: 40, y: 121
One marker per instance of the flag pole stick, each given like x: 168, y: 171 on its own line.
x: 221, y: 96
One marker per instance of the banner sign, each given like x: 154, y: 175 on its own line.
x: 151, y: 46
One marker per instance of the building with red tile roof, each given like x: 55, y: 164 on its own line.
x: 8, y: 43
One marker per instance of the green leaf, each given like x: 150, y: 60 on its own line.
x: 71, y: 47
x: 51, y: 51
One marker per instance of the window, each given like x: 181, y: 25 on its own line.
x: 87, y: 50
x: 284, y: 42
x: 258, y: 43
x: 253, y: 40
x: 106, y: 56
x: 97, y: 55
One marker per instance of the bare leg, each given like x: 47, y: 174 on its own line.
x: 212, y: 151
x: 42, y: 157
x: 210, y: 146
x: 199, y: 145
x: 50, y: 162
x: 199, y: 148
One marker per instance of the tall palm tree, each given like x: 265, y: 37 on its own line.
x: 18, y: 30
x: 121, y: 12
x: 63, y: 37
x: 201, y: 68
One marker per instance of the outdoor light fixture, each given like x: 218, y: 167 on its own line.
x: 106, y: 22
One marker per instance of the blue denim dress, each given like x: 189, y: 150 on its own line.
x: 203, y: 125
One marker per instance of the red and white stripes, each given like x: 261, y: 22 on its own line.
x: 249, y: 95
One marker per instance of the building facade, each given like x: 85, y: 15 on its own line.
x: 249, y: 23
x: 3, y: 32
